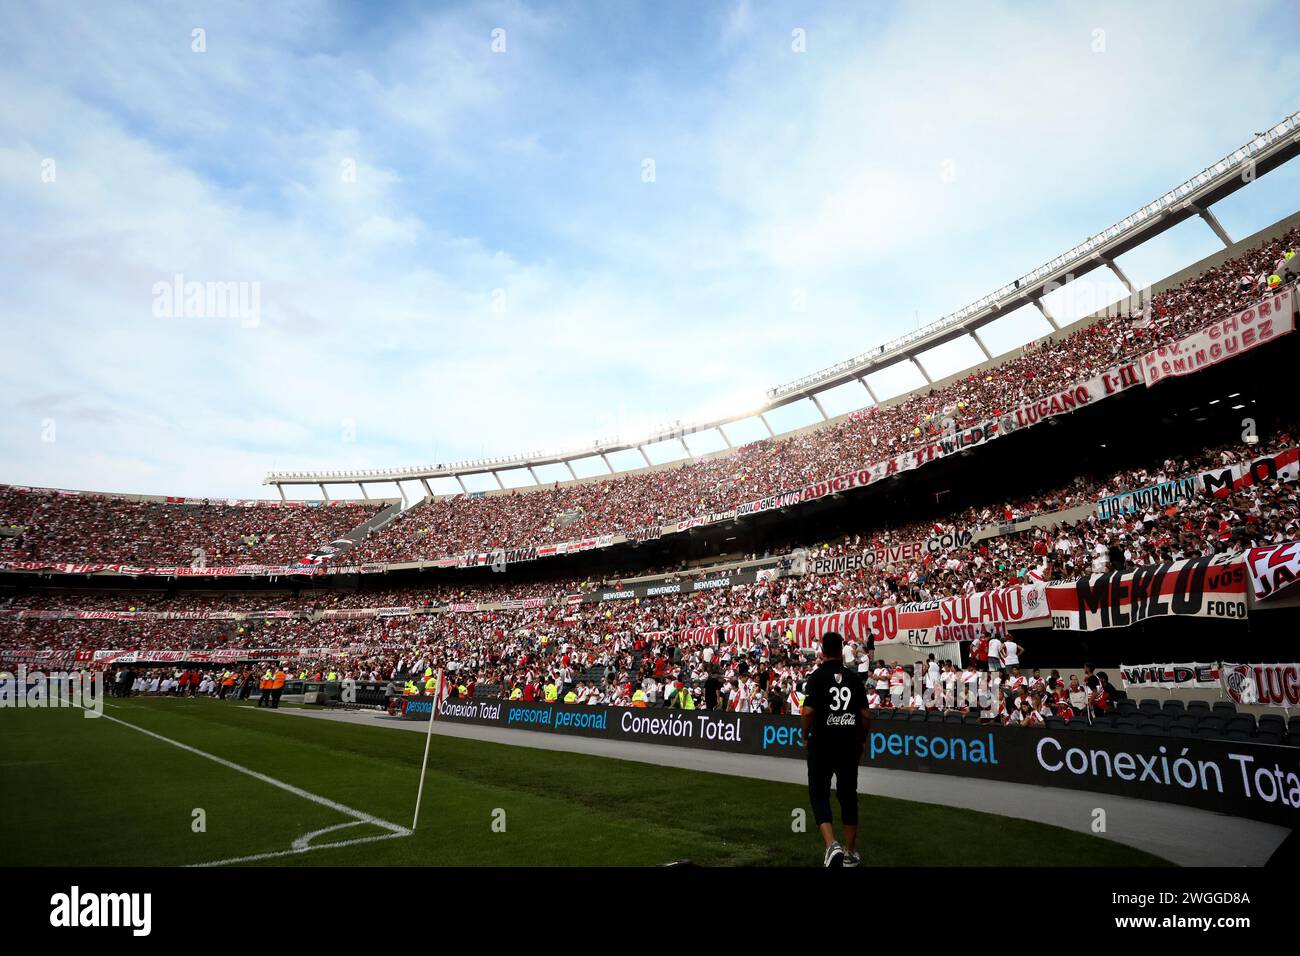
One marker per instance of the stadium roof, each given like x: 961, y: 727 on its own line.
x: 1194, y: 197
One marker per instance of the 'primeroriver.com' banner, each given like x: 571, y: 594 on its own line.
x: 1257, y: 781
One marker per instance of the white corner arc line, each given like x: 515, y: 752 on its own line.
x: 358, y: 815
x: 305, y: 840
x: 298, y: 852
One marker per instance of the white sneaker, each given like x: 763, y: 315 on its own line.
x: 852, y: 858
x: 834, y: 855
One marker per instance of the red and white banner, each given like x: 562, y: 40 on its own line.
x: 1273, y: 569
x: 1221, y: 340
x: 1274, y: 685
x: 1013, y: 605
x: 1281, y: 466
x: 1180, y: 676
x: 1112, y: 381
x: 886, y: 624
x: 1197, y: 587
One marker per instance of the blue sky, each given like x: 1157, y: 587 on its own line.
x: 456, y: 250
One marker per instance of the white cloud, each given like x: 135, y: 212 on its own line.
x: 627, y: 304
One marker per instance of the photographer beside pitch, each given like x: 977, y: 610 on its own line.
x: 834, y: 719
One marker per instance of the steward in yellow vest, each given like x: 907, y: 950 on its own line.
x: 552, y: 693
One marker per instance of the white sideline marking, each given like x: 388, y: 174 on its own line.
x: 299, y: 845
x: 359, y: 815
x: 302, y: 841
x: 299, y: 851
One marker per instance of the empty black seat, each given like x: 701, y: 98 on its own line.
x: 1242, y: 723
x: 1268, y: 736
x: 952, y: 717
x: 1173, y: 704
x: 1180, y: 731
x: 1199, y: 706
x: 1225, y: 707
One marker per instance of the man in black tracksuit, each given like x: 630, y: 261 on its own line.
x: 835, y: 722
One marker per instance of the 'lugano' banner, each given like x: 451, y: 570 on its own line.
x: 1080, y: 395
x: 1274, y: 685
x: 1196, y: 587
x: 1221, y: 340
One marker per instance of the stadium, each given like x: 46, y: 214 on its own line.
x: 1063, y: 574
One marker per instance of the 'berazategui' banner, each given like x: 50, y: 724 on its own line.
x: 1196, y: 587
x: 1221, y: 340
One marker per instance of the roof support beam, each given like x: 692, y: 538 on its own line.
x: 974, y: 333
x: 462, y: 484
x: 427, y: 490
x: 867, y: 386
x: 605, y: 459
x: 921, y: 368
x: 724, y: 437
x: 569, y: 465
x: 1047, y: 315
x: 1212, y: 221
x: 534, y: 475
x: 766, y: 424
x: 401, y: 490
x: 323, y: 493
x: 644, y: 456
x: 1113, y: 266
x: 362, y: 486
x: 280, y: 488
x: 825, y: 417
x: 498, y: 480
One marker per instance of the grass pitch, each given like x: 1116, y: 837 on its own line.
x: 92, y: 792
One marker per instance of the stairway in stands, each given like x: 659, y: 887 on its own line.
x: 339, y: 547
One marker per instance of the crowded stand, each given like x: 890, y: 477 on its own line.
x: 630, y: 651
x: 48, y: 525
x: 41, y: 525
x: 462, y: 523
x: 593, y: 640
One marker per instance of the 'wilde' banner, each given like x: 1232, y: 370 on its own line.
x: 1170, y: 676
x: 1196, y: 587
